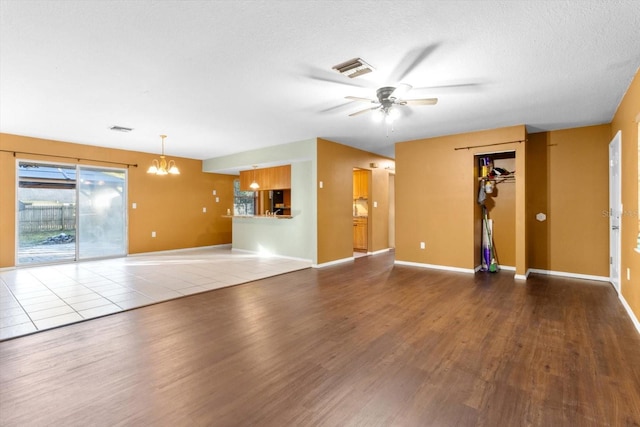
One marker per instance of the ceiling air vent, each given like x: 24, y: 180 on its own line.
x: 121, y: 129
x: 353, y: 68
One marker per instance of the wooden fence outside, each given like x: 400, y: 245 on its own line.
x: 47, y: 218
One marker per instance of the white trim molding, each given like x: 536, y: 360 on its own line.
x: 633, y: 317
x: 570, y: 275
x: 436, y: 267
x: 330, y: 263
x: 381, y: 251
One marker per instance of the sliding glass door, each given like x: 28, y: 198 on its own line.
x: 101, y: 212
x: 70, y: 212
x: 46, y: 213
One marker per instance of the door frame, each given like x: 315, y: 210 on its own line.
x: 76, y: 189
x: 615, y: 210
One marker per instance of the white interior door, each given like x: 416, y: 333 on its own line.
x: 615, y: 210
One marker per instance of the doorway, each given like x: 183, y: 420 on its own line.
x: 361, y: 178
x: 69, y: 212
x: 615, y: 210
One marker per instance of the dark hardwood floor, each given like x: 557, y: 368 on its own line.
x: 364, y: 343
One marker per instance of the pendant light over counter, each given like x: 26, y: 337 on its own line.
x: 254, y: 185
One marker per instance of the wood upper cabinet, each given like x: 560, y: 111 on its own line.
x: 360, y: 184
x: 275, y: 178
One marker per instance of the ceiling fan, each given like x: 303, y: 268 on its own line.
x: 388, y: 98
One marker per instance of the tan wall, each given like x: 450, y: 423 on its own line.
x: 578, y: 197
x: 626, y: 120
x: 170, y: 205
x: 537, y: 201
x: 335, y: 200
x: 436, y: 197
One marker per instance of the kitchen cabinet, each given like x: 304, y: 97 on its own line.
x: 275, y: 178
x: 360, y: 233
x: 360, y: 184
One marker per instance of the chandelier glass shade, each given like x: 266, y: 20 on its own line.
x: 162, y: 166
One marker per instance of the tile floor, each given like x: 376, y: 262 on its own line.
x: 38, y: 298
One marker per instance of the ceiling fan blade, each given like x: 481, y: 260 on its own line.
x: 451, y: 88
x: 363, y: 111
x: 401, y: 89
x: 358, y: 98
x: 410, y: 61
x: 424, y: 101
x: 335, y: 107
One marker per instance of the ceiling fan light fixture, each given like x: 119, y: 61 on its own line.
x: 353, y: 68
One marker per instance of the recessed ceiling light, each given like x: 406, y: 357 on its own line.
x: 120, y: 128
x: 353, y: 68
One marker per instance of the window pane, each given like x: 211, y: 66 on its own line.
x: 46, y: 218
x: 101, y: 210
x: 244, y: 202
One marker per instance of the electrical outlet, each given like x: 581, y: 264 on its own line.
x: 153, y: 234
x: 204, y: 210
x: 628, y: 274
x: 134, y: 205
x: 320, y: 184
x: 214, y: 192
x: 375, y: 204
x: 217, y: 199
x: 422, y: 245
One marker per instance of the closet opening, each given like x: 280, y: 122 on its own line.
x: 496, y: 211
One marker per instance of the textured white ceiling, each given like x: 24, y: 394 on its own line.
x: 220, y: 77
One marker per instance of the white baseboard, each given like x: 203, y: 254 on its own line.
x: 381, y: 251
x: 266, y: 255
x: 570, y: 275
x: 168, y: 251
x: 436, y: 267
x: 633, y: 317
x: 330, y: 263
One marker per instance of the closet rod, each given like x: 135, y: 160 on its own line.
x: 488, y: 145
x: 68, y: 157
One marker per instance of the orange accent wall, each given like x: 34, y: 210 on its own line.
x: 578, y: 200
x: 436, y: 198
x: 335, y: 200
x: 169, y: 205
x: 537, y: 201
x: 626, y: 120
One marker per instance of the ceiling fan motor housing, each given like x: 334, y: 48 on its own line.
x: 384, y: 95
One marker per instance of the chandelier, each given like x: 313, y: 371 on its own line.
x: 162, y: 167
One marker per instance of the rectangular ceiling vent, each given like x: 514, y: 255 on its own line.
x: 121, y: 129
x: 353, y: 68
